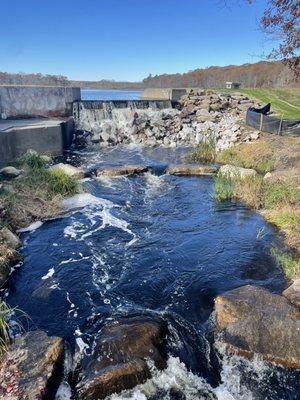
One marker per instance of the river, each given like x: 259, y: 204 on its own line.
x: 155, y: 245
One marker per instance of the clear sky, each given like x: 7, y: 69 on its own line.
x: 127, y: 39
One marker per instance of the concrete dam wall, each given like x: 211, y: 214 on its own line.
x: 37, y: 101
x: 120, y: 122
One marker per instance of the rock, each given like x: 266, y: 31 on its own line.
x: 191, y: 170
x: 250, y: 320
x: 292, y: 293
x: 72, y: 172
x: 10, y: 238
x: 121, y: 357
x: 32, y: 367
x: 121, y: 170
x: 8, y: 260
x: 236, y: 172
x: 46, y: 159
x: 10, y: 172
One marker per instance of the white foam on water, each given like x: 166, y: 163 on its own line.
x: 83, y: 200
x: 176, y: 377
x: 31, y: 228
x: 49, y: 274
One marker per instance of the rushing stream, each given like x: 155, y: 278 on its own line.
x: 153, y: 244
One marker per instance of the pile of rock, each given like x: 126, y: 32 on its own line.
x: 197, y: 116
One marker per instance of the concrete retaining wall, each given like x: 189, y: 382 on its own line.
x: 51, y: 139
x: 34, y: 101
x: 163, y: 94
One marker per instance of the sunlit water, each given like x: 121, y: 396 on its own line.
x: 105, y: 94
x: 156, y: 245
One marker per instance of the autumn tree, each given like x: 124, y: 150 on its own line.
x: 281, y: 20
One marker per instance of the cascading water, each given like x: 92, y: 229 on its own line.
x: 151, y: 245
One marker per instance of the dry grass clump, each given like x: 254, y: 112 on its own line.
x: 36, y: 194
x: 204, y: 153
x: 258, y: 155
x: 4, y: 334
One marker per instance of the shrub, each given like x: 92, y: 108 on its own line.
x: 204, y: 153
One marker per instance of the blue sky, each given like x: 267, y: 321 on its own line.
x: 127, y: 39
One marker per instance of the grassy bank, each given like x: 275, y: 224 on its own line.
x: 34, y: 195
x: 284, y: 102
x: 276, y: 195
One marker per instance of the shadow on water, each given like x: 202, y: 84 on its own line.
x: 145, y: 245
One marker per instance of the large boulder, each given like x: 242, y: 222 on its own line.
x: 10, y: 238
x: 32, y: 367
x: 192, y: 170
x: 232, y: 171
x: 121, y: 358
x: 10, y: 172
x: 70, y: 170
x: 250, y: 320
x: 121, y: 170
x: 292, y: 293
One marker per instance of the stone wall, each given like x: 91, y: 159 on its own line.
x: 34, y: 101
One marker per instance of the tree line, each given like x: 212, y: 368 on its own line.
x: 261, y: 74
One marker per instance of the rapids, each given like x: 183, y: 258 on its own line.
x: 153, y: 244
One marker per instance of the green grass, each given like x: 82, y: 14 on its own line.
x: 289, y: 264
x: 284, y: 102
x: 204, y: 153
x: 280, y: 194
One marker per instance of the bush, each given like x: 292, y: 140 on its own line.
x: 204, y: 153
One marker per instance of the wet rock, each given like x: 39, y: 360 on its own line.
x: 8, y: 260
x: 32, y: 368
x: 10, y: 238
x: 292, y: 293
x: 72, y: 172
x: 231, y: 171
x: 10, y: 172
x: 121, y: 358
x: 191, y: 170
x: 250, y: 320
x: 121, y: 170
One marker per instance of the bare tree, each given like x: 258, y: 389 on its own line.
x: 281, y: 20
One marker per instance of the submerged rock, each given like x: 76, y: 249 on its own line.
x: 292, y: 293
x: 72, y: 172
x: 121, y: 358
x: 121, y: 170
x: 231, y: 171
x: 191, y: 170
x: 32, y: 367
x: 10, y: 172
x: 250, y: 320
